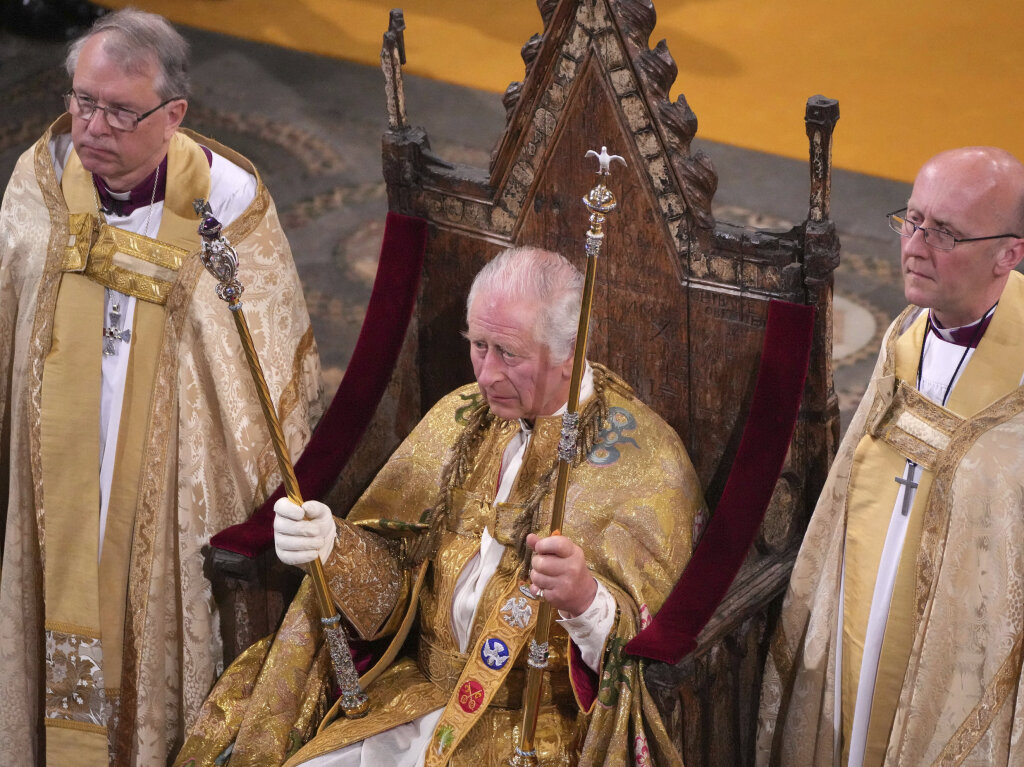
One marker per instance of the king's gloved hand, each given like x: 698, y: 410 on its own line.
x: 302, y: 533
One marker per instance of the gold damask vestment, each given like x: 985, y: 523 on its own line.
x: 631, y: 506
x: 948, y: 685
x: 132, y: 640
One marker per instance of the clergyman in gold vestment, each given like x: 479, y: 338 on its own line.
x: 460, y: 495
x: 900, y: 639
x: 131, y: 431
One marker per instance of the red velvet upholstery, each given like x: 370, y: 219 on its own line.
x: 366, y: 377
x: 773, y: 413
x: 584, y: 681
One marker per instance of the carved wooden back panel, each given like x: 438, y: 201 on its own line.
x: 680, y: 302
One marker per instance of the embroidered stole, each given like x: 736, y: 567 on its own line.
x: 904, y: 424
x: 85, y: 597
x: 506, y: 631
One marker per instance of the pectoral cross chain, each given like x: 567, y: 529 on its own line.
x: 909, y: 485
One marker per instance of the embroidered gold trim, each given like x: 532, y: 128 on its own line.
x: 82, y: 228
x: 130, y: 263
x: 932, y: 547
x: 69, y: 724
x: 71, y: 628
x: 980, y: 717
x: 364, y: 580
x: 151, y: 495
x: 443, y: 667
x: 936, y: 519
x: 512, y: 621
x: 112, y: 240
x: 46, y: 299
x: 916, y: 427
x: 151, y: 489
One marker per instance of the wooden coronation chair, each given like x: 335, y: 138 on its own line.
x: 680, y: 307
x: 681, y: 311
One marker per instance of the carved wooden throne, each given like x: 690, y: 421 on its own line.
x: 680, y: 303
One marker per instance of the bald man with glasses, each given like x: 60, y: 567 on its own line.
x: 130, y: 433
x: 902, y: 632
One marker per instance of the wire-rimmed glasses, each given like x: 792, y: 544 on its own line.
x: 118, y: 118
x: 937, y: 238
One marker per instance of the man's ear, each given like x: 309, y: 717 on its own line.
x: 1008, y: 259
x: 567, y: 365
x: 175, y: 112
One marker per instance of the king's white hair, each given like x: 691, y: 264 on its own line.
x: 541, y: 276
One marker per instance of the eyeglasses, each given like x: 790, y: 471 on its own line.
x: 937, y: 238
x: 117, y: 117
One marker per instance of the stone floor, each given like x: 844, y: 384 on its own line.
x: 313, y: 125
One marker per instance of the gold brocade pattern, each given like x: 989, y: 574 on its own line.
x: 980, y: 717
x: 511, y: 620
x: 961, y: 696
x: 633, y: 514
x: 443, y: 665
x: 364, y: 579
x: 73, y: 693
x: 203, y: 473
x: 130, y: 263
x: 916, y: 427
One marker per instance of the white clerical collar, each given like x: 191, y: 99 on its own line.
x: 965, y: 335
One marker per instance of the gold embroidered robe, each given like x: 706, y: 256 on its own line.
x: 631, y: 505
x: 206, y: 461
x: 956, y: 651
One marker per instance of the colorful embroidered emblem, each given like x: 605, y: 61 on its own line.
x: 471, y: 696
x: 473, y: 401
x: 443, y: 738
x: 494, y: 653
x: 605, y: 450
x: 516, y: 612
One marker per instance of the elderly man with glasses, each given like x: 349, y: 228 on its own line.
x: 129, y: 432
x: 902, y: 633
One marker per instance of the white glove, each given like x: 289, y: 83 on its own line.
x: 301, y: 533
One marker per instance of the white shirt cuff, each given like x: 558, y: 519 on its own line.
x: 590, y: 629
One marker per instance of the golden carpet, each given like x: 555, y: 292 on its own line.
x: 912, y: 78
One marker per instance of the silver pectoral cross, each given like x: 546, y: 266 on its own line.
x: 113, y: 332
x: 909, y: 485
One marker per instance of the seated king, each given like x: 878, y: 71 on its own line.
x: 428, y: 568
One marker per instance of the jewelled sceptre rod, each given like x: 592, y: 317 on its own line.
x: 221, y: 260
x: 599, y: 201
